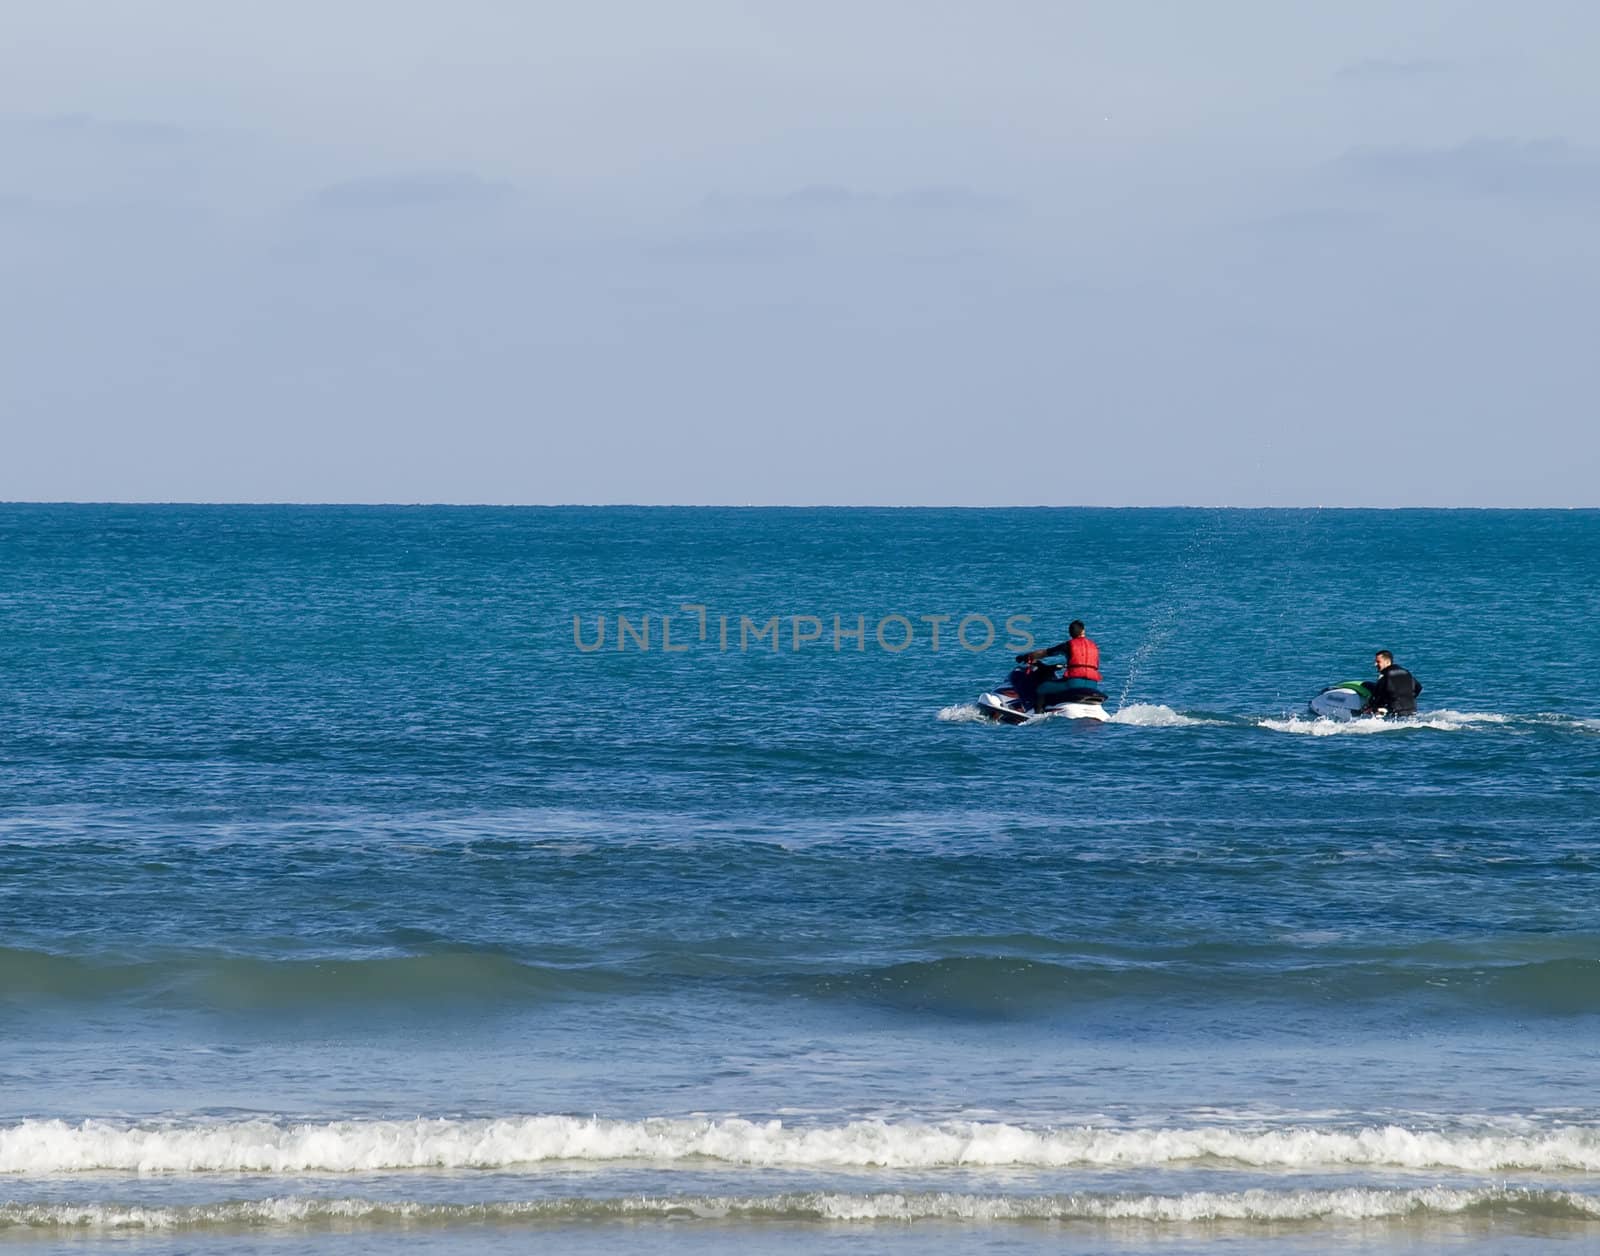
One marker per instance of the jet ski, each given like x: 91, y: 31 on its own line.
x: 1006, y: 705
x: 1343, y: 701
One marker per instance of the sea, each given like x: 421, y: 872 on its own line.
x: 645, y: 880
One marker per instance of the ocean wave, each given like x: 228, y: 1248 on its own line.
x: 250, y: 982
x: 1558, y: 979
x: 1520, y: 1206
x: 507, y: 1143
x: 1008, y: 985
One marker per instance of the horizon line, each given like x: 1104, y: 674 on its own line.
x: 643, y: 505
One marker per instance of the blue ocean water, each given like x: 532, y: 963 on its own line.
x: 347, y: 890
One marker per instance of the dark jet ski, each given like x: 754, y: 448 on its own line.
x: 1010, y: 703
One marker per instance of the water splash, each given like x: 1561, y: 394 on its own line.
x: 1441, y: 721
x: 1153, y: 715
x: 1195, y: 566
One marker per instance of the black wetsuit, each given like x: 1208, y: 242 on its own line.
x: 1395, y: 691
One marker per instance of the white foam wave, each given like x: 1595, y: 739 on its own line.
x: 263, y: 1146
x: 1444, y: 721
x: 1143, y: 714
x: 1152, y: 715
x: 1277, y: 1206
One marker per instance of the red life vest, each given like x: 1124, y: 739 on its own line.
x: 1083, y: 660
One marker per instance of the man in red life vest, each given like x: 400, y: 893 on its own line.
x: 1080, y: 682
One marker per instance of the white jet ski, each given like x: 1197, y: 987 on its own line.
x: 1341, y: 702
x: 1006, y: 706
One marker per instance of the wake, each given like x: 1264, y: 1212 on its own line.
x: 1159, y: 715
x: 1438, y: 721
x: 1137, y: 714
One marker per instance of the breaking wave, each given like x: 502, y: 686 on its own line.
x: 1252, y: 1206
x: 272, y: 1147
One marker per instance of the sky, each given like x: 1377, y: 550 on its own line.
x: 891, y: 252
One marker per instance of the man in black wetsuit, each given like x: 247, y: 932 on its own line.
x: 1396, y: 689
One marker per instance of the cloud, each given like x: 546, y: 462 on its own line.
x: 837, y: 199
x: 934, y: 223
x: 1299, y: 223
x: 1390, y: 70
x: 950, y: 198
x: 14, y: 205
x: 83, y: 127
x: 823, y: 196
x: 1549, y: 171
x: 411, y: 189
x: 730, y: 246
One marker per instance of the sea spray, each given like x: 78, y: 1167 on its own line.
x: 1192, y: 575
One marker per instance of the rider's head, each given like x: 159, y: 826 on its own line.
x: 1383, y: 659
x: 1075, y: 628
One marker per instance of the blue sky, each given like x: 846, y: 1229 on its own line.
x: 892, y: 252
